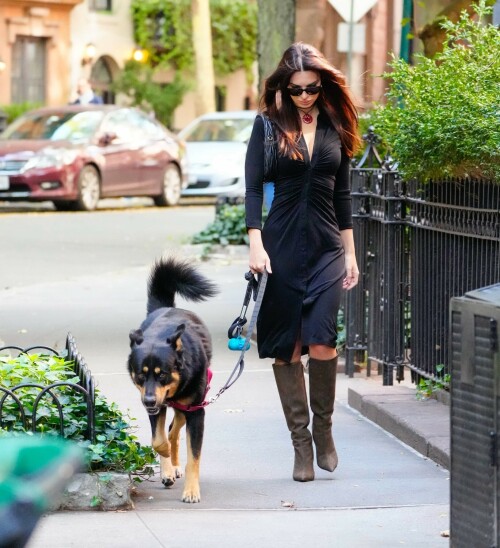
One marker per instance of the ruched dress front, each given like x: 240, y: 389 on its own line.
x: 311, y: 205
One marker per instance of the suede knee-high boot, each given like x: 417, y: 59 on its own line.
x: 322, y: 377
x: 292, y: 391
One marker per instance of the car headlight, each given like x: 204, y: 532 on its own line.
x: 50, y: 158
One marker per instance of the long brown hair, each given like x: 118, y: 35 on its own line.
x: 335, y: 99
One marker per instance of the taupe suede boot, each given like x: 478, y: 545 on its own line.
x: 292, y: 390
x: 322, y: 377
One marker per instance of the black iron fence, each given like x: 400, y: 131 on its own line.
x: 51, y: 392
x: 418, y: 245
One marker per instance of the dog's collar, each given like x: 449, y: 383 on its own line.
x: 204, y: 403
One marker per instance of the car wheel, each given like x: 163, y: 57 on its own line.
x: 171, y: 188
x: 89, y: 189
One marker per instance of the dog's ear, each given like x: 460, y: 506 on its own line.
x: 175, y: 340
x: 136, y: 336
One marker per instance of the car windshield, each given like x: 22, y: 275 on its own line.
x: 228, y: 129
x: 54, y: 126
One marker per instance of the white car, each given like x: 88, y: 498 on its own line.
x: 216, y: 146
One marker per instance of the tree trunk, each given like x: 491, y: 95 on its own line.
x: 276, y: 31
x: 433, y: 36
x: 202, y: 42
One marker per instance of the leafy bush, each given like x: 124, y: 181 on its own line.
x: 15, y: 110
x: 228, y: 228
x: 365, y: 124
x: 442, y: 117
x: 427, y: 387
x: 116, y: 448
x: 136, y: 80
x: 341, y: 334
x: 164, y: 28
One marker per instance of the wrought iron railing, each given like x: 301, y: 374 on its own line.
x: 85, y: 386
x: 418, y: 245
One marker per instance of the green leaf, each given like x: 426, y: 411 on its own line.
x: 96, y: 501
x: 440, y: 118
x: 116, y: 447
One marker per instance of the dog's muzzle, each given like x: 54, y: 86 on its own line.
x: 152, y: 410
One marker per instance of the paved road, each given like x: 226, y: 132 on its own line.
x: 382, y: 495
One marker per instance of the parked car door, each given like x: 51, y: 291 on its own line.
x: 119, y: 146
x: 152, y: 157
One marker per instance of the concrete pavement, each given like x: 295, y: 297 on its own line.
x: 383, y: 494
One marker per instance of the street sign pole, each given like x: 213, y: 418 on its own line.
x: 351, y: 38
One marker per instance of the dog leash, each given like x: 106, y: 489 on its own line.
x: 256, y: 289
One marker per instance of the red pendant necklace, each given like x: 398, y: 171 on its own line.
x: 306, y: 116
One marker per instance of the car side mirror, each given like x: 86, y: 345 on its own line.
x: 107, y: 138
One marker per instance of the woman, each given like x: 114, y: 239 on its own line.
x: 307, y: 244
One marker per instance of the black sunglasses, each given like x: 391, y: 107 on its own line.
x: 310, y: 90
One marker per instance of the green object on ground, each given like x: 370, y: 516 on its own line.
x: 33, y: 470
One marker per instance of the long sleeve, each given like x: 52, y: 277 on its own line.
x: 342, y: 194
x: 254, y: 176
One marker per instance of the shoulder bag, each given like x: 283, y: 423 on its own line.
x: 270, y: 150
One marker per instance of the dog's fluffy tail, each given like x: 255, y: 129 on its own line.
x: 171, y: 276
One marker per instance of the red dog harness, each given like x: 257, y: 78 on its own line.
x: 204, y: 403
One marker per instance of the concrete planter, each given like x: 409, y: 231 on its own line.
x: 96, y: 491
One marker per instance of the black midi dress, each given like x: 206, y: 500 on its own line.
x: 311, y: 205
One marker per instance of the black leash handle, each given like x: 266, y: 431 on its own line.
x: 237, y: 326
x: 258, y: 290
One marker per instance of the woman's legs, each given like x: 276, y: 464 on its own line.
x: 322, y: 379
x: 322, y: 352
x: 291, y: 388
x: 293, y: 396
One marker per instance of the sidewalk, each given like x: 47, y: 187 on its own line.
x: 383, y: 494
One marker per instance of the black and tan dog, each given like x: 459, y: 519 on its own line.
x: 169, y: 363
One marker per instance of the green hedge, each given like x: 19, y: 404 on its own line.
x: 116, y: 447
x: 164, y: 29
x: 228, y: 228
x: 442, y: 116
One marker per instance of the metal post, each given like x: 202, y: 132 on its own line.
x: 350, y: 47
x: 393, y: 290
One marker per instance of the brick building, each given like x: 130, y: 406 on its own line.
x: 47, y: 45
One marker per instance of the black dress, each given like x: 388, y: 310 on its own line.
x: 312, y: 203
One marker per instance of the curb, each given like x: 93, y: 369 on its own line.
x: 96, y: 491
x: 217, y: 253
x: 424, y: 425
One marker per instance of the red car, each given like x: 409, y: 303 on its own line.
x: 75, y: 155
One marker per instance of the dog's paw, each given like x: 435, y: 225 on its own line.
x: 178, y: 472
x: 169, y: 472
x: 191, y: 496
x: 168, y: 481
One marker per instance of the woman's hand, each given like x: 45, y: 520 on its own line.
x: 259, y: 259
x: 352, y: 272
x: 351, y: 266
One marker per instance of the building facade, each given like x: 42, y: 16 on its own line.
x: 359, y: 46
x: 35, y: 50
x: 46, y: 46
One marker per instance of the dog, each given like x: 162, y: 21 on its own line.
x: 169, y: 363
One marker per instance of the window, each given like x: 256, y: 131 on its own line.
x: 55, y: 126
x: 28, y: 69
x: 101, y: 5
